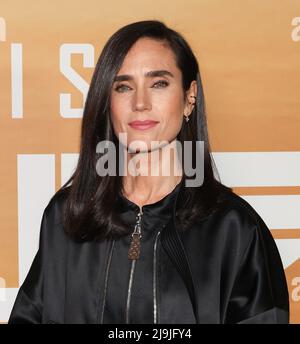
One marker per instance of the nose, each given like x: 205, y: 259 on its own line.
x: 141, y: 100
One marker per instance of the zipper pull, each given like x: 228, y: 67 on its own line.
x: 135, y: 244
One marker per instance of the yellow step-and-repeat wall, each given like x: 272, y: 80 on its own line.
x: 249, y: 56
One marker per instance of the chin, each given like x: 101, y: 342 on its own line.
x: 146, y: 146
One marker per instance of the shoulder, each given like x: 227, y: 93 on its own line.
x: 57, y: 202
x: 236, y: 220
x: 236, y: 230
x: 236, y: 206
x: 53, y: 216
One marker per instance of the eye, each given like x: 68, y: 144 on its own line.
x: 121, y: 87
x: 161, y: 83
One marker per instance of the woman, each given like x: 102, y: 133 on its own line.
x: 141, y: 247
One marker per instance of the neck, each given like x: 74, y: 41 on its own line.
x: 152, y: 175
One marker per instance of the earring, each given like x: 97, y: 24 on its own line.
x: 194, y: 98
x: 187, y: 118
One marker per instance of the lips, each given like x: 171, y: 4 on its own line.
x: 143, y: 125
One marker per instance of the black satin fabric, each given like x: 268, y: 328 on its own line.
x: 234, y: 262
x: 141, y: 302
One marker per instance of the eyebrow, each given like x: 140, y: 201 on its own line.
x: 151, y: 74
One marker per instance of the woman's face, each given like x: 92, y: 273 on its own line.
x: 148, y: 87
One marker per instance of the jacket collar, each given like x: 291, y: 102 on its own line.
x: 155, y: 215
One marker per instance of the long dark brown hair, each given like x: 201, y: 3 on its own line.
x: 89, y: 212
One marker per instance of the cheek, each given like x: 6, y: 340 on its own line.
x: 172, y: 112
x: 173, y: 101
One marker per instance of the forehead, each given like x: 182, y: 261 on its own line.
x: 148, y: 53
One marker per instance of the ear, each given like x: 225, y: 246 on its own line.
x: 190, y: 100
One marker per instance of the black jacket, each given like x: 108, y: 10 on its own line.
x: 224, y: 269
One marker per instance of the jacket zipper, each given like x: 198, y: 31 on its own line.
x: 155, y: 302
x: 133, y: 255
x: 135, y: 245
x: 106, y: 279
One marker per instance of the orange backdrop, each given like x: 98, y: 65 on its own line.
x: 249, y: 57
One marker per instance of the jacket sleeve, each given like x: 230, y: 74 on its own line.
x: 259, y: 294
x: 28, y: 306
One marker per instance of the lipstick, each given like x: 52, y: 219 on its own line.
x: 143, y: 125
